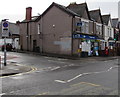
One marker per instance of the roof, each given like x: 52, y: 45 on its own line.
x: 114, y: 22
x: 95, y: 14
x: 34, y: 19
x: 106, y: 19
x: 79, y: 8
x: 63, y: 8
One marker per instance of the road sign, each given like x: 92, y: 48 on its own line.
x: 5, y: 29
x: 5, y: 33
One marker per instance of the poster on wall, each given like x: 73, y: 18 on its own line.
x: 86, y: 47
x: 65, y: 44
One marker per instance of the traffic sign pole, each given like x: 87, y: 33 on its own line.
x: 5, y: 63
x: 5, y: 29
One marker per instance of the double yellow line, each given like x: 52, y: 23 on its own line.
x: 32, y: 70
x: 96, y: 85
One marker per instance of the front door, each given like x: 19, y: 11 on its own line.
x: 34, y: 45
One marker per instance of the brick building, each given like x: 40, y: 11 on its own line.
x: 71, y: 30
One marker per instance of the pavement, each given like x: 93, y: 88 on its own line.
x: 14, y: 68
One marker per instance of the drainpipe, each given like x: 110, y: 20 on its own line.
x: 73, y: 21
x: 27, y: 36
x: 41, y: 35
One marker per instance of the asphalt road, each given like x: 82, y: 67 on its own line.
x: 57, y: 76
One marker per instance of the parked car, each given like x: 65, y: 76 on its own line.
x: 8, y: 47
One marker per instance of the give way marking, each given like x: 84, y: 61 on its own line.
x: 83, y: 74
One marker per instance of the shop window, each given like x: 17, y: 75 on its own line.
x: 111, y: 43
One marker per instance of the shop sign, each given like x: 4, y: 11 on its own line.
x: 84, y: 36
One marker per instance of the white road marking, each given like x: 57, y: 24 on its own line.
x: 56, y: 61
x: 46, y: 68
x: 12, y: 91
x: 74, y: 78
x: 82, y: 74
x: 52, y: 61
x: 16, y: 69
x: 62, y: 59
x: 105, y: 61
x: 71, y: 65
x: 46, y: 57
x: 55, y: 68
x: 60, y: 81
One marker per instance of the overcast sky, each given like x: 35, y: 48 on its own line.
x: 15, y: 9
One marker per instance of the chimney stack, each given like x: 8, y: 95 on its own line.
x: 28, y: 13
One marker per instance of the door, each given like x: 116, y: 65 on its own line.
x: 34, y: 45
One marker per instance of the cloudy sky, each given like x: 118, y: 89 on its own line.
x: 15, y: 9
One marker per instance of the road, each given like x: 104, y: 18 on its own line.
x: 57, y: 76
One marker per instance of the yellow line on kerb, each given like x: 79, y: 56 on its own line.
x: 44, y: 93
x: 85, y: 83
x: 32, y: 69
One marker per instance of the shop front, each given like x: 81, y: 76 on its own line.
x: 88, y: 45
x: 112, y: 48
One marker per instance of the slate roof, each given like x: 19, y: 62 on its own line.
x: 106, y: 19
x: 114, y: 22
x: 79, y: 8
x: 94, y: 15
x: 34, y: 19
x: 65, y: 9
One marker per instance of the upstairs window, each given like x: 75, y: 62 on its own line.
x: 85, y: 27
x: 98, y: 29
x: 38, y: 28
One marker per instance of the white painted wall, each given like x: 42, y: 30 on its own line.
x: 15, y: 43
x: 108, y: 33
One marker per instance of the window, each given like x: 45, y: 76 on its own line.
x: 38, y: 28
x: 110, y: 33
x: 98, y: 29
x: 85, y: 27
